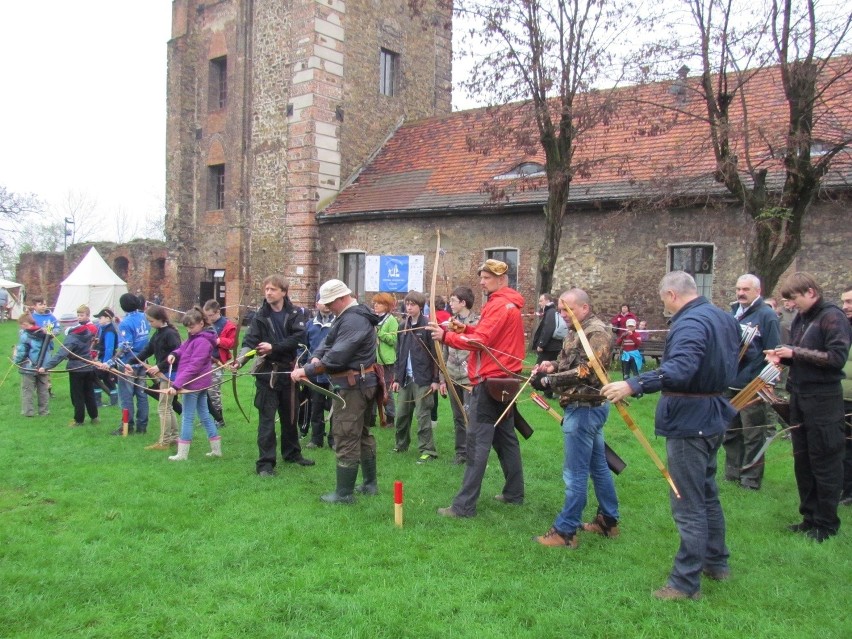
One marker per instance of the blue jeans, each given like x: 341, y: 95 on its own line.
x: 698, y: 513
x: 193, y: 403
x: 130, y: 388
x: 582, y: 427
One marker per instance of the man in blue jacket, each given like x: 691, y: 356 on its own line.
x: 747, y: 432
x: 699, y: 364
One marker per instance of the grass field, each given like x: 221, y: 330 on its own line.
x: 100, y: 538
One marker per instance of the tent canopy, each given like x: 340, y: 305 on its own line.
x: 16, y: 299
x: 92, y: 283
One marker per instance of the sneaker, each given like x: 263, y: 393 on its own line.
x: 425, y: 459
x: 266, y: 473
x: 717, y: 574
x: 803, y: 527
x: 667, y: 593
x: 449, y: 512
x: 502, y: 499
x: 555, y: 538
x: 397, y: 449
x: 602, y: 525
x: 120, y: 431
x: 819, y: 535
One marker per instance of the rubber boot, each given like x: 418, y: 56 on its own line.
x: 215, y: 447
x: 346, y: 477
x: 182, y: 452
x: 368, y: 471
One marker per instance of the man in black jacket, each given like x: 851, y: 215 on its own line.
x: 277, y: 332
x: 746, y: 434
x: 819, y: 338
x: 546, y: 343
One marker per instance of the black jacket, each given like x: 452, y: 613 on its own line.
x: 161, y: 344
x: 420, y: 345
x: 543, y: 337
x: 286, y: 343
x: 350, y: 342
x: 820, y: 339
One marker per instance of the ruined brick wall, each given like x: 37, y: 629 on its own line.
x: 616, y: 256
x: 41, y: 273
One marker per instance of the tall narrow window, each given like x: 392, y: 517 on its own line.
x: 352, y: 271
x: 388, y: 69
x: 216, y: 187
x: 218, y: 83
x: 697, y: 260
x: 510, y: 256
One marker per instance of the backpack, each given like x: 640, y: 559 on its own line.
x: 561, y: 329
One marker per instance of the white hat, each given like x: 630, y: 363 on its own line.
x: 332, y: 290
x: 631, y: 322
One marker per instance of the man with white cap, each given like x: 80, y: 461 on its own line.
x: 498, y: 349
x: 348, y: 357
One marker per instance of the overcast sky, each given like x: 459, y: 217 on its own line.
x: 84, y: 103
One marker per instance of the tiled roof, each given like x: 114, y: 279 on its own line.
x: 633, y: 150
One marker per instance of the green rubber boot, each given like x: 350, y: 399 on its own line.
x: 346, y: 477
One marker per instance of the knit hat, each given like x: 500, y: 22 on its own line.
x: 128, y: 303
x: 332, y: 290
x: 495, y: 267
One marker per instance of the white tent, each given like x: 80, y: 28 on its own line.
x: 16, y: 298
x: 92, y: 283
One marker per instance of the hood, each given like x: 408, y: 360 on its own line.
x: 210, y: 336
x: 361, y: 309
x: 509, y: 295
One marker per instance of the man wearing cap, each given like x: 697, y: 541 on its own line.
x: 277, y: 332
x: 746, y: 433
x: 498, y: 349
x: 348, y: 357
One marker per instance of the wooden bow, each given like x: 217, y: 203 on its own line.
x: 439, y: 347
x: 234, y: 353
x: 622, y: 410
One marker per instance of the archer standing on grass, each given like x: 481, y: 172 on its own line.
x: 132, y: 339
x: 746, y: 434
x: 846, y: 495
x: 77, y: 349
x: 163, y: 342
x: 386, y: 339
x: 29, y: 356
x: 586, y: 411
x: 276, y: 332
x: 226, y: 339
x: 699, y: 363
x: 498, y: 353
x: 461, y: 302
x: 818, y: 350
x: 194, y: 372
x: 348, y: 356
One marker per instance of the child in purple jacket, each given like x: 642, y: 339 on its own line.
x: 193, y: 377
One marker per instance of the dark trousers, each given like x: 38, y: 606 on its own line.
x: 269, y: 403
x: 847, y: 455
x: 319, y: 403
x: 818, y: 450
x: 482, y: 434
x: 82, y: 386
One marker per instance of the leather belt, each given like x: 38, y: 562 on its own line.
x: 584, y: 404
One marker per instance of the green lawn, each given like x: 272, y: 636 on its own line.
x: 99, y: 538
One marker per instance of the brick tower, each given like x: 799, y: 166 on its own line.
x: 272, y: 106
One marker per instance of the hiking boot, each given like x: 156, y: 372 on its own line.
x: 803, y: 527
x: 75, y: 424
x: 602, y: 525
x: 425, y: 459
x: 819, y: 535
x: 667, y: 593
x: 449, y: 512
x: 502, y: 499
x: 556, y: 539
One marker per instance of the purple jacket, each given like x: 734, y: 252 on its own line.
x: 194, y: 361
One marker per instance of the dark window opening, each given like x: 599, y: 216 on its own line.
x: 388, y: 70
x: 216, y: 187
x: 218, y: 83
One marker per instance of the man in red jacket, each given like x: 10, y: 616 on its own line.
x: 497, y: 345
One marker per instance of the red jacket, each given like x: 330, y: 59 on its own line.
x: 501, y: 329
x: 227, y: 339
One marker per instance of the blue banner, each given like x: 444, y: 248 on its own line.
x: 393, y: 273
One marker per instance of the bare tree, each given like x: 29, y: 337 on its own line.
x: 17, y: 214
x: 79, y: 217
x: 774, y: 167
x: 549, y: 55
x: 126, y: 226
